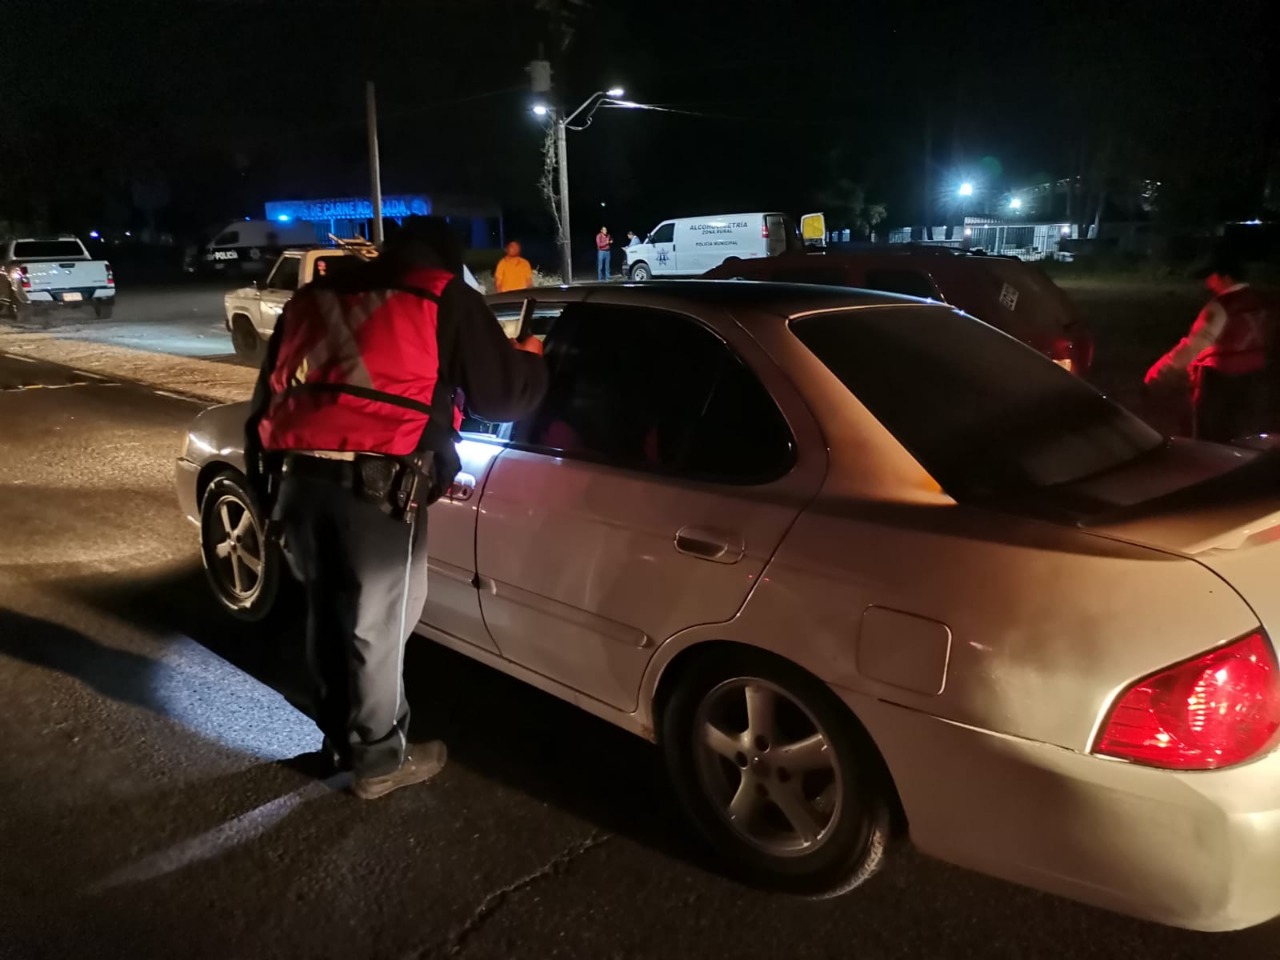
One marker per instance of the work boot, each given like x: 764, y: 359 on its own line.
x: 424, y: 763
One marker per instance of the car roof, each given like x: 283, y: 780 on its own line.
x: 930, y: 257
x: 782, y: 299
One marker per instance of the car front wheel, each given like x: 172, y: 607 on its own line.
x: 245, y: 340
x: 777, y: 774
x: 640, y: 272
x: 243, y: 567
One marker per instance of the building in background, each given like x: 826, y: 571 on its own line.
x: 1017, y: 238
x: 478, y: 222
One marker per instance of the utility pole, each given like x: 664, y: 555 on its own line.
x: 375, y: 169
x: 562, y: 162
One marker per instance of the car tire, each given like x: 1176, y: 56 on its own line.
x: 640, y: 272
x: 841, y: 795
x: 232, y: 542
x: 104, y: 307
x: 245, y: 339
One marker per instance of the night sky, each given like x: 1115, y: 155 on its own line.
x: 203, y: 109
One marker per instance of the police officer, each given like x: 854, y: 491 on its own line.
x: 354, y: 419
x: 1224, y: 359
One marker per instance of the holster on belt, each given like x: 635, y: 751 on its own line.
x: 392, y: 483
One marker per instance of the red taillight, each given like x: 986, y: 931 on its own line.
x: 111, y: 277
x: 1214, y: 711
x: 26, y: 278
x: 764, y: 231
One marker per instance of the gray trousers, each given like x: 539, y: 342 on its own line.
x: 365, y: 576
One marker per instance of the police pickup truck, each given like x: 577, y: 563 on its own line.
x: 252, y: 311
x: 35, y: 272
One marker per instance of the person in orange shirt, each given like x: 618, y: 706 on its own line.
x: 513, y: 271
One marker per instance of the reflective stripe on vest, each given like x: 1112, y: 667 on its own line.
x: 358, y: 370
x: 1241, y: 347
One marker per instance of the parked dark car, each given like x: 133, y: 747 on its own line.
x: 1009, y: 294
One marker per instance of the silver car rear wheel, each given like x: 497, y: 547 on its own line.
x: 768, y: 766
x: 776, y: 772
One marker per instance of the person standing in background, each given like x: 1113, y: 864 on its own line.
x: 513, y: 271
x: 1224, y: 359
x: 603, y: 244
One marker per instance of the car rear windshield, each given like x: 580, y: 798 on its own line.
x: 47, y: 249
x: 983, y: 413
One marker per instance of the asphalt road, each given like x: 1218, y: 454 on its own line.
x: 184, y: 319
x: 148, y: 807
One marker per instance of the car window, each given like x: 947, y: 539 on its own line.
x: 40, y: 249
x: 228, y: 239
x: 285, y: 275
x: 335, y: 265
x: 908, y: 282
x: 664, y: 234
x: 545, y: 314
x: 651, y: 390
x: 984, y: 414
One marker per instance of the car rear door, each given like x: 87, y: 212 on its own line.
x: 644, y: 497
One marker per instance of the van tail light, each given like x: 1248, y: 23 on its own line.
x: 764, y: 231
x: 111, y: 277
x: 1216, y: 710
x: 26, y: 277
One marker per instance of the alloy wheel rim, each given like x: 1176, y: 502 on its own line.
x: 768, y: 767
x: 236, y: 554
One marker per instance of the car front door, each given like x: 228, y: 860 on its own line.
x: 664, y: 250
x: 644, y: 497
x: 452, y: 610
x: 282, y: 284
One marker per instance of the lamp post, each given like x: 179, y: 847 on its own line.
x: 564, y: 124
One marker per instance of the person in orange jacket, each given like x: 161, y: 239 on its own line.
x: 513, y: 271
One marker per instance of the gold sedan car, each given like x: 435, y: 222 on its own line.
x: 866, y: 567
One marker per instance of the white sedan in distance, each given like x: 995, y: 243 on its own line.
x: 865, y: 568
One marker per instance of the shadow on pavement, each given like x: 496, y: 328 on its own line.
x: 496, y: 726
x: 114, y: 673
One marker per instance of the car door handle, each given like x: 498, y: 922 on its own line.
x: 463, y: 486
x: 709, y: 545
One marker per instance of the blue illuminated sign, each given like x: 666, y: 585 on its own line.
x: 348, y: 208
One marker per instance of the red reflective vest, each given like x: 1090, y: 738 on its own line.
x: 359, y: 371
x: 1242, y: 345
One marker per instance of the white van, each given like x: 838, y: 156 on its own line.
x: 251, y: 246
x: 691, y: 246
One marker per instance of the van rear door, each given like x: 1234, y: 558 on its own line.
x: 775, y: 234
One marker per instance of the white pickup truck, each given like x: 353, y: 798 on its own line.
x: 252, y: 311
x: 35, y: 272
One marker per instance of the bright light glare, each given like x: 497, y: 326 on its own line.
x: 283, y: 217
x: 540, y: 109
x: 95, y: 234
x: 1015, y: 203
x: 966, y: 189
x: 614, y: 92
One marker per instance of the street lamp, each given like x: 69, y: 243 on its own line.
x: 1015, y: 203
x: 966, y: 189
x: 563, y: 124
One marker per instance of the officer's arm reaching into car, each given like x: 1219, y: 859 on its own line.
x: 357, y: 401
